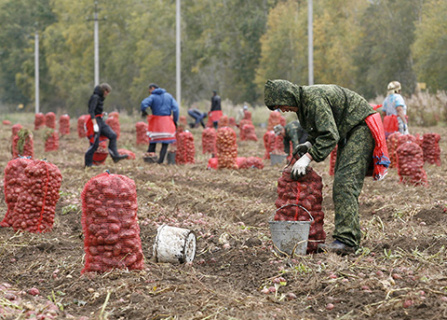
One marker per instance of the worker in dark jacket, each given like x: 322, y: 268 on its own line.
x: 292, y: 133
x: 332, y: 116
x: 100, y: 128
x: 216, y: 109
x: 162, y: 123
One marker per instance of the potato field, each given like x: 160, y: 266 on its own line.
x: 399, y: 272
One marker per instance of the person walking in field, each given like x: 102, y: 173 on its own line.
x: 333, y: 115
x: 162, y: 123
x: 394, y: 110
x: 292, y: 133
x: 98, y: 127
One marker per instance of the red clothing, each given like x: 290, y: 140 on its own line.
x: 161, y: 129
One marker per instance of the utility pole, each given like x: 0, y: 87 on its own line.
x: 96, y: 39
x: 177, y: 54
x: 310, y: 43
x: 36, y: 69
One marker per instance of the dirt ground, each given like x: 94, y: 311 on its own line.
x: 398, y: 273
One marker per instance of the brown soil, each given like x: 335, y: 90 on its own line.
x: 398, y: 273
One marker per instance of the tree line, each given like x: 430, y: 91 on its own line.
x: 231, y: 46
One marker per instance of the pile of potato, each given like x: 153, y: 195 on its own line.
x: 306, y: 192
x: 110, y: 224
x: 226, y: 146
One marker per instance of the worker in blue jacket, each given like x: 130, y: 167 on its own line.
x: 162, y: 123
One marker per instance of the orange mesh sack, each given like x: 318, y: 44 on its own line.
x: 13, y: 186
x: 306, y: 192
x: 16, y: 128
x: 223, y: 122
x: 114, y: 122
x: 226, y: 148
x: 51, y: 141
x: 130, y: 154
x: 110, y: 224
x: 50, y: 120
x: 185, y: 148
x: 431, y: 149
x: 64, y: 124
x: 209, y: 140
x: 39, y: 121
x: 410, y: 164
x: 82, y: 132
x: 248, y: 132
x: 142, y: 137
x: 269, y: 143
x: 23, y: 144
x: 392, y: 144
x: 36, y: 203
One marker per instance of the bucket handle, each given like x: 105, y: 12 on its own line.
x: 296, y: 205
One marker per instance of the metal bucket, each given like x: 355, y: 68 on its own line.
x: 174, y: 245
x: 171, y: 157
x: 277, y: 158
x: 290, y: 237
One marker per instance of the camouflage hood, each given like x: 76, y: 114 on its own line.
x: 281, y: 93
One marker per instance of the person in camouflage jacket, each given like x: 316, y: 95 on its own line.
x: 292, y: 133
x: 332, y: 116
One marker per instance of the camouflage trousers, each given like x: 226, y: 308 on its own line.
x: 354, y: 155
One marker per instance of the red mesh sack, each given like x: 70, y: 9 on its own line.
x: 15, y: 129
x: 142, y: 137
x: 403, y: 138
x: 332, y: 161
x: 113, y: 122
x: 209, y: 141
x: 36, y: 203
x: 392, y: 144
x: 51, y: 141
x: 223, y: 122
x: 13, y: 186
x: 100, y: 155
x: 23, y: 144
x: 39, y: 121
x: 64, y: 125
x: 212, y: 163
x: 247, y: 115
x: 431, y: 149
x: 231, y: 122
x: 251, y: 162
x: 185, y: 148
x: 307, y: 193
x: 410, y: 164
x: 110, y: 224
x: 226, y: 148
x: 6, y: 122
x: 248, y: 132
x: 269, y: 143
x: 241, y: 125
x: 50, y: 120
x: 114, y: 114
x: 82, y: 131
x: 130, y: 154
x: 274, y: 119
x: 183, y: 121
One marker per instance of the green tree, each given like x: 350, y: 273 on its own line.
x: 387, y: 31
x: 19, y: 20
x: 430, y: 46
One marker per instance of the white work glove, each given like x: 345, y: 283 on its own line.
x: 299, y: 167
x: 302, y: 148
x: 95, y: 128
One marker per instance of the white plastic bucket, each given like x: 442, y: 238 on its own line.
x: 277, y: 158
x: 290, y: 237
x: 174, y: 245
